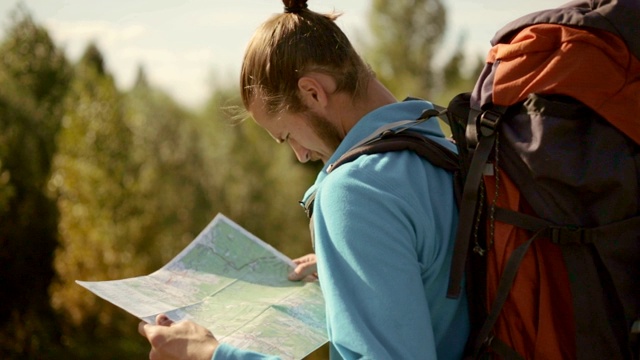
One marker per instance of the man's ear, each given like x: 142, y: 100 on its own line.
x: 314, y: 91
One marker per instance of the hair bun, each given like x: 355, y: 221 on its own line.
x: 294, y: 6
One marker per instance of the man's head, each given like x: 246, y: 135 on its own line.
x: 290, y: 58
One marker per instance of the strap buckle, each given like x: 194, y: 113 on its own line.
x: 566, y: 235
x: 489, y: 121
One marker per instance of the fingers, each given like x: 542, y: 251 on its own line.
x: 306, y: 273
x: 180, y: 340
x: 306, y: 269
x: 141, y: 329
x: 154, y: 334
x: 309, y: 258
x: 161, y: 320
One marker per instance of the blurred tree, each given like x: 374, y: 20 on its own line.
x: 94, y: 180
x: 457, y: 75
x: 34, y: 75
x: 171, y: 172
x: 453, y: 69
x: 141, y: 79
x: 406, y: 34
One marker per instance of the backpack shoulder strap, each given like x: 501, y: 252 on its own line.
x: 435, y: 153
x: 390, y: 141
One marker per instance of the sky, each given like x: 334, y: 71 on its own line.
x: 188, y: 46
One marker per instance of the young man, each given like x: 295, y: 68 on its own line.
x: 383, y: 224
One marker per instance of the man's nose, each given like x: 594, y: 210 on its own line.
x: 301, y: 152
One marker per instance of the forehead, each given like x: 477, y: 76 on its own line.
x: 269, y: 122
x: 258, y: 111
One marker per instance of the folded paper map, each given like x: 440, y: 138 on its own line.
x: 235, y: 285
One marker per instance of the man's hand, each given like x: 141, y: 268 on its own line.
x: 180, y: 340
x: 306, y: 269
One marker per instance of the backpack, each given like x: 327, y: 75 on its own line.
x: 548, y: 181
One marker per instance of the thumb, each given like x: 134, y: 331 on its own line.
x: 147, y: 330
x: 163, y: 320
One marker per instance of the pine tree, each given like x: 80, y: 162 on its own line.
x: 33, y: 80
x: 405, y: 35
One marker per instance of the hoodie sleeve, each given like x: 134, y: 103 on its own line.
x: 371, y: 263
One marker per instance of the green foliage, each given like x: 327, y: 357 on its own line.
x: 406, y: 34
x: 34, y: 77
x: 93, y: 179
x: 456, y: 77
x: 30, y: 57
x: 128, y: 178
x: 169, y: 173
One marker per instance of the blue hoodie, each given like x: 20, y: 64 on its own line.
x: 384, y: 226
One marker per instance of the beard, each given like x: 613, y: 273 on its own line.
x: 326, y: 130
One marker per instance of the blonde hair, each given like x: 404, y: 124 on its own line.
x: 292, y: 44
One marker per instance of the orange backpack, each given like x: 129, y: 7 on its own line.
x: 549, y: 155
x: 549, y: 229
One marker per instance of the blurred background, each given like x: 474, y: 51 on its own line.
x: 118, y: 145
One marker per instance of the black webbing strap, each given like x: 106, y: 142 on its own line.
x: 467, y: 213
x: 504, y: 350
x: 521, y: 220
x: 435, y: 153
x: 428, y: 149
x: 635, y: 338
x: 558, y: 234
x: 484, y: 338
x: 566, y: 234
x: 489, y: 121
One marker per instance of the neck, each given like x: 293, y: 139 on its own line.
x: 352, y: 110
